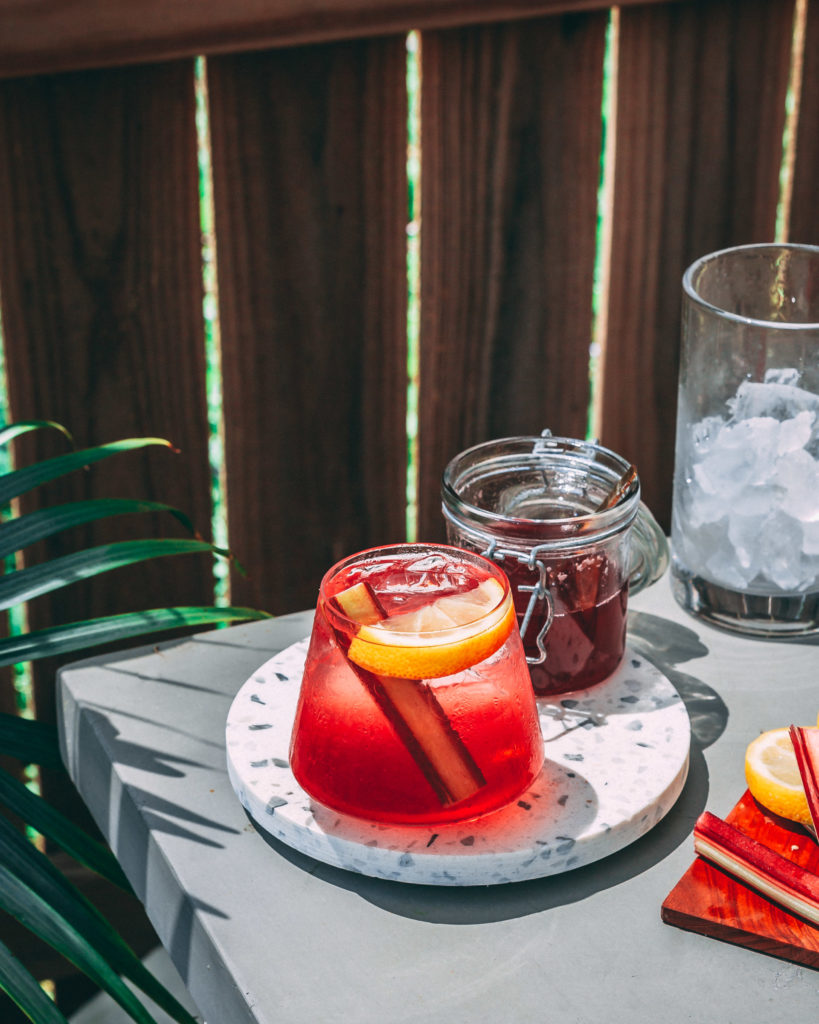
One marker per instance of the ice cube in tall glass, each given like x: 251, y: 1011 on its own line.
x: 745, y: 517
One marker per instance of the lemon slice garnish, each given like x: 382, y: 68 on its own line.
x: 438, y: 639
x: 773, y: 776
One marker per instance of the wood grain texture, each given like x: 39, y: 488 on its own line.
x: 511, y: 135
x: 309, y: 160
x: 701, y: 102
x: 100, y: 274
x: 712, y: 902
x: 53, y: 36
x: 804, y: 218
x: 100, y: 270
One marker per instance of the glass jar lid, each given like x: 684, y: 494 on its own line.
x: 535, y: 490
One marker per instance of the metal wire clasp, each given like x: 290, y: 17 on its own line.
x: 538, y: 591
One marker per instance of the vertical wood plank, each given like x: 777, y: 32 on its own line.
x: 804, y: 220
x: 511, y: 136
x: 309, y: 165
x: 701, y: 103
x: 100, y: 270
x: 100, y: 276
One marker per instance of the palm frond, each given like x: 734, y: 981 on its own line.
x: 12, y: 430
x: 30, y: 909
x: 54, y: 825
x: 24, y: 990
x: 26, y: 584
x: 13, y: 484
x: 30, y: 741
x: 66, y: 911
x: 20, y: 533
x: 108, y: 629
x: 31, y: 888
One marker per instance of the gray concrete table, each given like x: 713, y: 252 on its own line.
x: 261, y: 933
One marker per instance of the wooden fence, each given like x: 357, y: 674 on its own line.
x: 101, y: 251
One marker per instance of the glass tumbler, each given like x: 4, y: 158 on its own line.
x: 415, y: 705
x: 540, y: 507
x: 745, y: 521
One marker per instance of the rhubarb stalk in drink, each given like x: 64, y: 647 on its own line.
x: 416, y: 704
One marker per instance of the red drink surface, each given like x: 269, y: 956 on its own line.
x: 348, y: 751
x: 404, y: 584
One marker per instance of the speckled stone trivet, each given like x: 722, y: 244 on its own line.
x: 616, y: 761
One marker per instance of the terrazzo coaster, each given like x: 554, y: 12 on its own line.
x: 616, y: 761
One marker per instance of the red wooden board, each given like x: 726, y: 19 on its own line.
x: 710, y: 901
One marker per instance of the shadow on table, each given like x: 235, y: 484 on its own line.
x: 128, y: 810
x: 486, y: 903
x: 665, y: 644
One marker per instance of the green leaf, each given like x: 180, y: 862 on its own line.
x: 25, y: 584
x: 13, y: 430
x: 31, y: 888
x: 24, y: 990
x: 74, y: 636
x: 31, y: 910
x: 31, y: 741
x: 50, y: 822
x: 19, y: 533
x: 12, y: 485
x: 35, y: 871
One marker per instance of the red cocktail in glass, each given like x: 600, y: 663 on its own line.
x: 416, y: 704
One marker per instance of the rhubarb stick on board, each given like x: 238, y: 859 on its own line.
x: 414, y: 712
x: 806, y: 747
x: 781, y: 880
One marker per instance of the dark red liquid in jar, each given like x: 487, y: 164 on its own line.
x: 587, y: 637
x: 586, y: 641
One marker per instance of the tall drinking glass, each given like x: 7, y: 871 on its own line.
x: 745, y: 524
x: 415, y: 705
